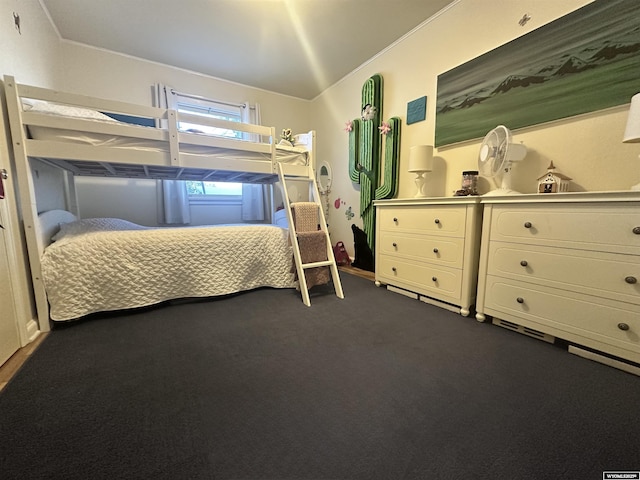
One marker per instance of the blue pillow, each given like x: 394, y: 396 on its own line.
x: 145, y: 122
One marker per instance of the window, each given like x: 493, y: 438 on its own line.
x: 213, y: 188
x: 203, y: 192
x: 214, y: 193
x: 210, y: 192
x: 207, y: 108
x: 209, y: 112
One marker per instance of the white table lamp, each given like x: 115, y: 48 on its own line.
x: 420, y: 162
x: 632, y: 132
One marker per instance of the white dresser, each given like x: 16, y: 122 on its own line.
x: 564, y: 265
x: 428, y: 248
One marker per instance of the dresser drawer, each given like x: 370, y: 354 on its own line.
x: 607, y: 275
x: 587, y: 226
x: 444, y: 220
x: 419, y: 277
x: 594, y: 322
x: 442, y: 250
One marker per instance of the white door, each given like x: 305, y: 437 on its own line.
x: 9, y: 339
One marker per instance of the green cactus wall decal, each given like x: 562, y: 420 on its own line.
x: 365, y: 159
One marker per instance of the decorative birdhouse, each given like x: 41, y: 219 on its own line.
x: 553, y: 181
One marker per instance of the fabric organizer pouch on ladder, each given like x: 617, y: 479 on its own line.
x: 311, y: 240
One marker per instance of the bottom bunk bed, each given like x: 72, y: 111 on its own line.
x: 106, y: 264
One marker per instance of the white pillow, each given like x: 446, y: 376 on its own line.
x: 89, y: 225
x: 27, y: 103
x: 64, y: 110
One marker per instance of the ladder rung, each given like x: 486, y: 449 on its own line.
x: 325, y: 263
x: 299, y: 179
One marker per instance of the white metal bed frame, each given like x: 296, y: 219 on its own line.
x: 105, y: 161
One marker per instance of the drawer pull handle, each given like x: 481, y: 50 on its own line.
x: 524, y: 263
x: 527, y: 224
x: 435, y: 279
x: 437, y: 220
x: 395, y: 220
x: 435, y: 250
x: 623, y: 326
x: 520, y: 300
x: 395, y: 245
x: 636, y: 230
x: 393, y: 269
x: 631, y: 280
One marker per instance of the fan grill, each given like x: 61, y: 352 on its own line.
x: 496, y: 156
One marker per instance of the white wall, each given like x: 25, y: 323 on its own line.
x: 131, y: 199
x: 32, y: 54
x: 48, y: 183
x: 101, y: 73
x: 136, y: 200
x: 589, y: 148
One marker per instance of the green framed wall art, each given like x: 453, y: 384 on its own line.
x: 586, y: 61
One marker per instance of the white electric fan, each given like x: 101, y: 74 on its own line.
x: 497, y: 154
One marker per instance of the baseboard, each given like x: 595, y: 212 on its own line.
x: 357, y: 271
x: 15, y: 362
x: 611, y: 362
x: 32, y: 330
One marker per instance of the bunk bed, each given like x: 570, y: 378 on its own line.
x: 80, y: 135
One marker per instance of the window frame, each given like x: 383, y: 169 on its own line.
x: 214, y: 198
x: 217, y: 109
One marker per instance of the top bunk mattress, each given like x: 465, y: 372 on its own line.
x: 284, y: 153
x: 192, y: 142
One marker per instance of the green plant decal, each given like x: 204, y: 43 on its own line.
x: 365, y: 160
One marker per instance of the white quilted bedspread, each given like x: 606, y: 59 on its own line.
x: 110, y: 264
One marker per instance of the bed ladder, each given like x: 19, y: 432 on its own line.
x: 314, y: 197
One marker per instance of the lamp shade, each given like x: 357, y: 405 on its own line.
x: 632, y: 132
x: 421, y: 158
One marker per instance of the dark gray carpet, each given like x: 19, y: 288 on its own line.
x: 258, y: 386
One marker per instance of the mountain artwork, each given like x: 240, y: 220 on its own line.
x: 586, y: 61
